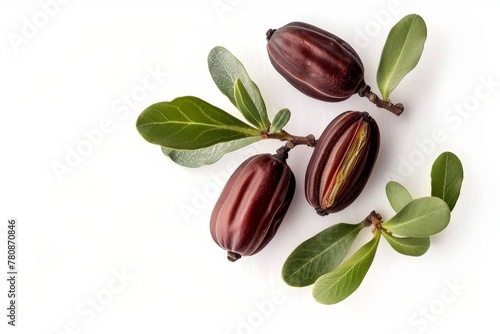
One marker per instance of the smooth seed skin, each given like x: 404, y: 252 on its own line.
x: 252, y: 205
x: 316, y: 62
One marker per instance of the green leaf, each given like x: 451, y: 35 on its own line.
x: 408, y: 246
x: 246, y: 106
x: 398, y: 195
x: 206, y: 156
x: 340, y: 283
x: 189, y: 123
x: 319, y: 254
x: 225, y: 68
x: 447, y: 175
x: 280, y: 120
x: 422, y: 217
x: 401, y: 52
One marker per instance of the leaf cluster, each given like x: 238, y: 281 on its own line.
x: 193, y: 132
x: 318, y: 260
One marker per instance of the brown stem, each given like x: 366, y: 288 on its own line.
x: 232, y: 256
x: 373, y: 219
x: 291, y: 140
x: 397, y: 109
x: 282, y: 152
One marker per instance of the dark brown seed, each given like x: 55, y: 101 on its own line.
x: 315, y: 61
x: 252, y: 205
x: 342, y: 162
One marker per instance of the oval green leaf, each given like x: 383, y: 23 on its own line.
x: 401, y: 53
x: 225, y: 68
x: 246, y: 106
x: 447, y: 175
x: 408, y: 246
x: 206, y: 156
x: 340, y: 283
x: 319, y: 254
x: 422, y: 217
x: 398, y: 195
x: 280, y: 120
x: 189, y: 123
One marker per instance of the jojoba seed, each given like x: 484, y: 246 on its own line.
x: 342, y: 161
x: 252, y: 205
x: 315, y: 61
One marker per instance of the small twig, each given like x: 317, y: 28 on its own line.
x: 397, y: 109
x: 373, y: 219
x: 291, y: 140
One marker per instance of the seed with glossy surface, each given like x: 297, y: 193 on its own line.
x: 315, y: 61
x: 342, y: 162
x: 320, y: 64
x: 252, y: 205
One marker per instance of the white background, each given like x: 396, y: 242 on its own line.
x: 104, y: 247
